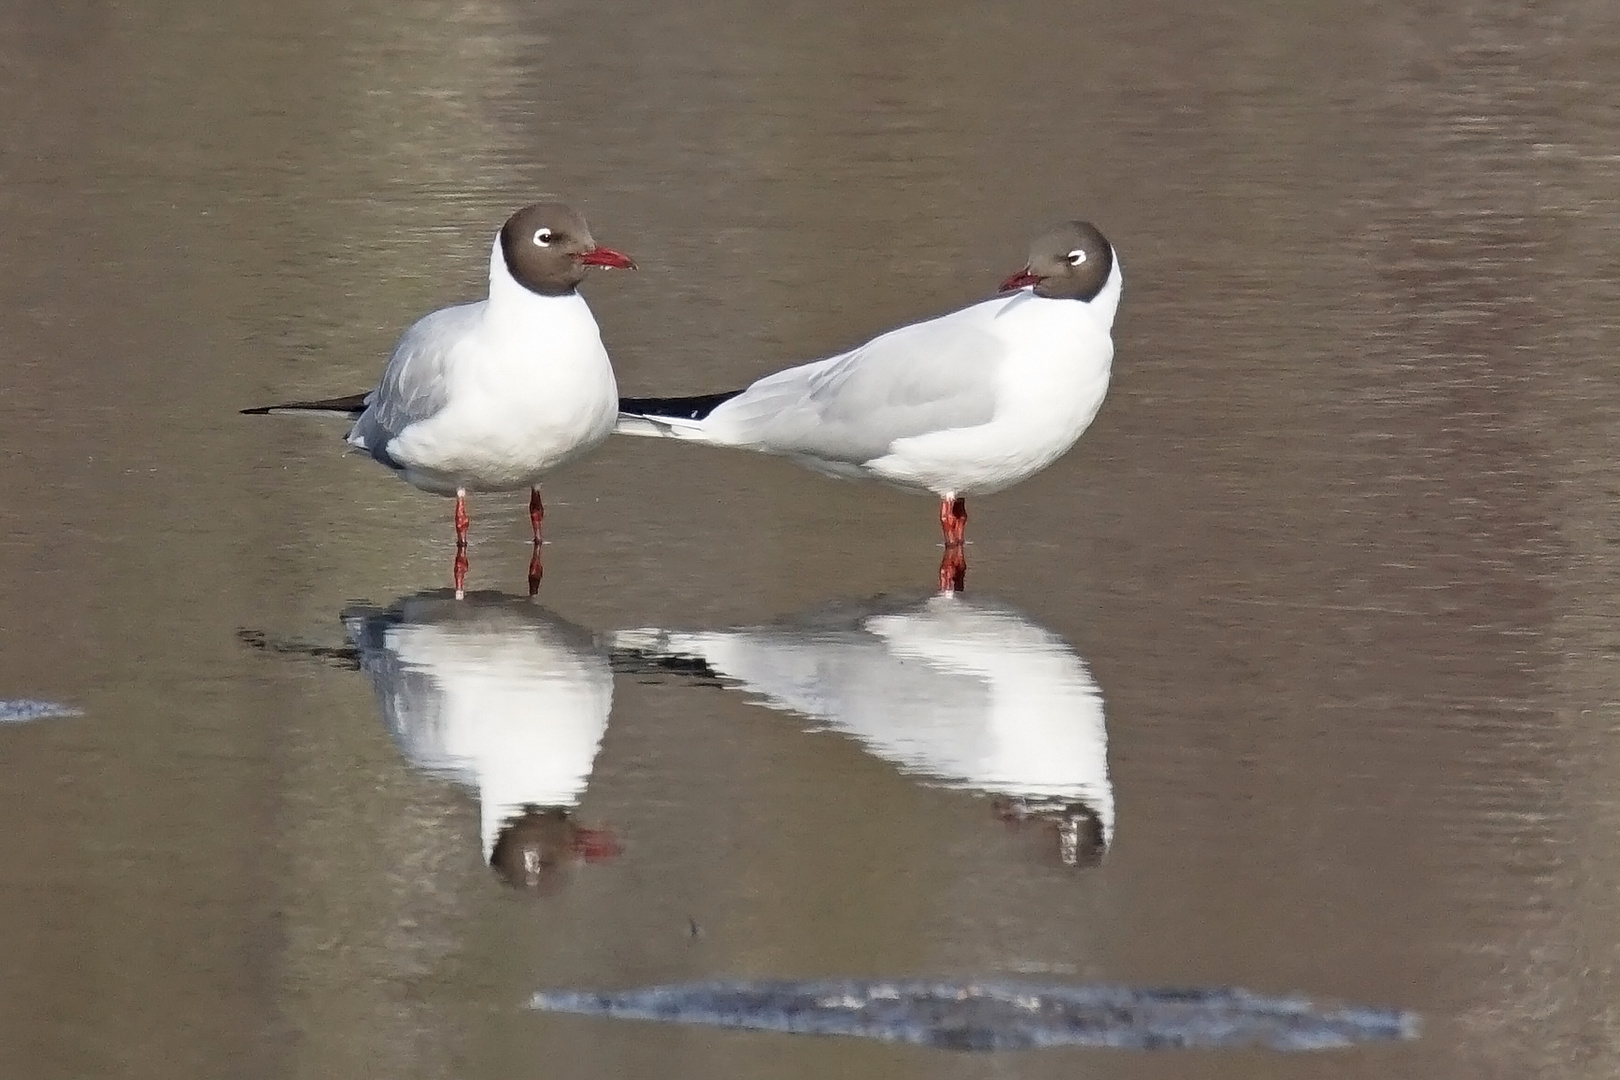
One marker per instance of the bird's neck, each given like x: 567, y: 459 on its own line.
x: 1106, y: 303
x: 509, y: 300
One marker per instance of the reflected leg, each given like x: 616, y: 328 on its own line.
x: 462, y: 522
x: 537, y: 514
x: 953, y: 524
x: 953, y: 569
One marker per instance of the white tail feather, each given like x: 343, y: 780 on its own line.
x: 663, y: 427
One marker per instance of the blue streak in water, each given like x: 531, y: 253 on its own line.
x: 22, y: 710
x: 994, y: 1015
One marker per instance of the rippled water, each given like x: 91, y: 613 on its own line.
x: 1335, y: 560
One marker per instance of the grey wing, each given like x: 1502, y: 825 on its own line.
x: 916, y: 380
x: 413, y: 701
x: 415, y: 385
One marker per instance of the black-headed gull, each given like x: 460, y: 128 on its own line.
x: 962, y: 693
x: 490, y: 396
x: 505, y: 698
x: 968, y: 403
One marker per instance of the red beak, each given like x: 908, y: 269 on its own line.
x: 1019, y: 280
x: 601, y: 256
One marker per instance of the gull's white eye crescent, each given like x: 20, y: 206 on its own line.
x: 1076, y: 257
x: 542, y: 237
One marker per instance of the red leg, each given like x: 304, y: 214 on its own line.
x: 536, y: 572
x: 462, y: 522
x: 537, y: 512
x: 953, y: 520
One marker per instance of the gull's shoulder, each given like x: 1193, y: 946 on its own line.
x: 441, y: 330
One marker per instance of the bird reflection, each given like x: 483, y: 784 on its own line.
x: 506, y: 698
x: 965, y: 693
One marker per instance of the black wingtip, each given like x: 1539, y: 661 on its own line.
x: 350, y: 405
x: 697, y: 407
x: 653, y: 664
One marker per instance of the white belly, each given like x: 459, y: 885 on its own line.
x: 504, y: 433
x: 1028, y: 433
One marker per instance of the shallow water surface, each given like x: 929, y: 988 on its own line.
x: 1325, y: 593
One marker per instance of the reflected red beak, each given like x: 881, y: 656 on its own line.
x: 596, y: 845
x: 601, y: 256
x: 1019, y: 280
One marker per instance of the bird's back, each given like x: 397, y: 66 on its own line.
x: 924, y: 377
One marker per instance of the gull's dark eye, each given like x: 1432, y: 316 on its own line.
x: 542, y: 237
x: 1076, y: 257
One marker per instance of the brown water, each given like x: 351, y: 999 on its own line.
x: 1339, y: 551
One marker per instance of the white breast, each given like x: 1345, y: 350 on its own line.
x: 531, y: 388
x: 512, y: 711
